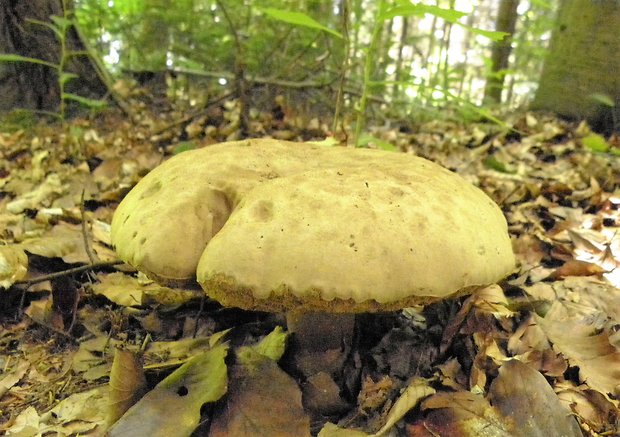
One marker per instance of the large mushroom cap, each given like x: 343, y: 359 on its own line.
x: 273, y: 225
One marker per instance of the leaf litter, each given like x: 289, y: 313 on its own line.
x: 536, y: 355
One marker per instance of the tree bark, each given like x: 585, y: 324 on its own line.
x: 506, y: 22
x: 583, y: 63
x: 32, y: 86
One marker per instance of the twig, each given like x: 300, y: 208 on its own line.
x: 255, y: 79
x: 68, y: 272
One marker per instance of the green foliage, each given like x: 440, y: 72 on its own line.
x: 184, y: 146
x: 17, y: 119
x: 299, y: 19
x: 405, y: 8
x: 595, y: 143
x: 7, y: 57
x: 305, y: 41
x: 603, y: 99
x: 367, y: 139
x: 491, y: 162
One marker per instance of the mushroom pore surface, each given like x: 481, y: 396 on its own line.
x: 274, y: 225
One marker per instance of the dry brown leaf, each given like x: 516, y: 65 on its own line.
x: 590, y: 406
x: 262, y: 401
x: 322, y: 394
x: 576, y: 268
x: 597, y: 359
x: 460, y: 414
x: 13, y: 265
x: 523, y: 395
x: 127, y: 384
x: 520, y: 403
x: 416, y: 390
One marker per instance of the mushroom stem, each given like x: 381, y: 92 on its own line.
x: 317, y: 331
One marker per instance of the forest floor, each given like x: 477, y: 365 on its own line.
x: 69, y: 310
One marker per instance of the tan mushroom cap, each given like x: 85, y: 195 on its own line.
x: 274, y: 225
x: 348, y: 240
x: 164, y: 223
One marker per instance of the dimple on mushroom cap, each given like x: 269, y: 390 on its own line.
x: 349, y: 240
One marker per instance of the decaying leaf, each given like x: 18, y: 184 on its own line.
x: 13, y: 265
x: 262, y: 400
x: 597, y: 411
x: 13, y: 377
x: 173, y: 406
x: 591, y: 351
x: 411, y: 396
x: 460, y: 414
x: 520, y: 403
x: 79, y: 414
x: 523, y: 395
x: 127, y: 383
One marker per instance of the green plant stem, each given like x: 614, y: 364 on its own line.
x: 344, y: 68
x: 368, y: 70
x: 62, y: 39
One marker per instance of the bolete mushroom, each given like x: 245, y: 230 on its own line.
x: 300, y: 228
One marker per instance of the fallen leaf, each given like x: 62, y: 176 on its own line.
x: 524, y: 395
x: 416, y: 391
x: 13, y: 377
x: 172, y: 408
x: 78, y: 414
x: 262, y: 401
x: 127, y: 384
x: 597, y: 359
x: 13, y: 264
x: 460, y: 414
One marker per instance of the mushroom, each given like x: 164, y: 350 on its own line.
x: 351, y: 240
x: 308, y: 230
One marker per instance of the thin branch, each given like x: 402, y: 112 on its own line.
x: 67, y: 272
x: 255, y: 79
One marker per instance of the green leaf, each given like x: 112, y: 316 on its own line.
x: 173, y: 406
x: 405, y: 10
x: 273, y: 345
x: 493, y: 163
x: 66, y: 77
x: 366, y: 139
x: 7, y: 57
x: 603, y: 99
x: 184, y: 146
x: 50, y: 26
x: 61, y: 22
x: 595, y: 143
x: 90, y: 103
x: 298, y: 19
x: 490, y: 34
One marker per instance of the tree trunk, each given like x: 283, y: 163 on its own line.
x: 506, y: 21
x: 583, y: 64
x: 32, y: 86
